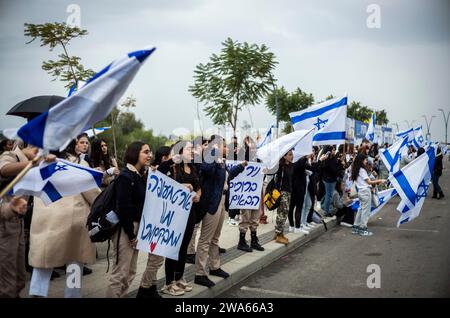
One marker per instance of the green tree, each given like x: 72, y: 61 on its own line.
x: 288, y: 103
x: 382, y: 117
x: 363, y: 113
x: 239, y: 76
x: 128, y: 129
x: 359, y: 112
x: 67, y: 68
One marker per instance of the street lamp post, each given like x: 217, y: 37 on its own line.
x: 445, y: 121
x: 396, y: 125
x: 407, y: 122
x: 428, y: 125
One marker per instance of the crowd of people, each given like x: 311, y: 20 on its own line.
x: 43, y: 238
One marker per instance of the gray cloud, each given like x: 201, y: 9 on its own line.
x: 323, y: 47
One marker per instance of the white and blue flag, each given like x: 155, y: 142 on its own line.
x: 391, y: 156
x: 412, y: 181
x: 408, y: 213
x: 299, y: 141
x: 384, y: 197
x: 267, y: 137
x: 329, y: 119
x: 93, y: 102
x: 370, y: 134
x: 96, y: 131
x: 418, y: 141
x: 408, y: 134
x: 52, y: 181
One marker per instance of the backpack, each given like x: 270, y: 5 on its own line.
x: 272, y: 198
x: 102, y: 221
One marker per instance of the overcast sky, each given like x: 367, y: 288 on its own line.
x: 323, y: 47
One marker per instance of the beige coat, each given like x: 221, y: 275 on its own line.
x: 58, y: 232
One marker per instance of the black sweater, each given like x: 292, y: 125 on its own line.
x: 331, y: 168
x: 130, y: 195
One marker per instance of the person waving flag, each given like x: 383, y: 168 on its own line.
x: 53, y: 129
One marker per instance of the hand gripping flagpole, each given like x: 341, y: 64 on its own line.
x: 22, y: 173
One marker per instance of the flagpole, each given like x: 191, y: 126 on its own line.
x: 21, y: 174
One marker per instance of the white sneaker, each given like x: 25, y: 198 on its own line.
x: 307, y: 227
x: 297, y: 230
x: 345, y: 224
x: 291, y: 229
x: 312, y: 224
x: 304, y: 230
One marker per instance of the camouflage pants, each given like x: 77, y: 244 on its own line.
x: 282, y: 211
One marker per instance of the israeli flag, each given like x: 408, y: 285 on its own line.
x: 267, y: 137
x: 328, y: 118
x: 94, y: 101
x: 418, y: 140
x: 271, y: 153
x: 370, y: 134
x: 52, y: 181
x: 384, y: 197
x: 408, y: 134
x: 408, y: 214
x: 391, y: 156
x: 99, y: 130
x: 411, y: 181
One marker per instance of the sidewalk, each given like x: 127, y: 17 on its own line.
x: 239, y: 264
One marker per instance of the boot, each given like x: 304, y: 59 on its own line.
x: 243, y: 246
x: 434, y: 195
x: 150, y: 292
x: 142, y: 292
x: 254, y: 243
x: 280, y: 238
x: 441, y: 195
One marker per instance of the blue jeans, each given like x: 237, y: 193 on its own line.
x: 436, y: 186
x: 329, y: 189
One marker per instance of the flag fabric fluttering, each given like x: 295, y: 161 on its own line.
x: 384, y: 197
x: 391, y: 156
x: 418, y: 140
x: 408, y: 134
x: 52, y: 181
x: 267, y: 137
x: 329, y: 119
x: 80, y: 111
x: 98, y: 130
x: 271, y: 153
x: 412, y: 183
x: 370, y: 134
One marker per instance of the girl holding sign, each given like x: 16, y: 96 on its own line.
x: 184, y: 172
x: 130, y: 193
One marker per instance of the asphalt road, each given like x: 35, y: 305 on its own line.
x: 414, y: 260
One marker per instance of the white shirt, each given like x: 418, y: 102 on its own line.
x: 361, y: 180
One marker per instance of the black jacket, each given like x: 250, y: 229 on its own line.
x: 299, y: 182
x: 130, y: 197
x: 331, y: 168
x: 437, y: 171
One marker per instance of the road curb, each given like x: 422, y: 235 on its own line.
x: 250, y: 263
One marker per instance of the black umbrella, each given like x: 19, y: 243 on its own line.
x: 34, y: 106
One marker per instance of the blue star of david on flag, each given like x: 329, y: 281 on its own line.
x: 422, y: 194
x: 320, y: 122
x: 61, y: 168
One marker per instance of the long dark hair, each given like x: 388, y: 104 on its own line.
x: 132, y: 153
x: 338, y: 186
x: 162, y: 151
x: 179, y: 167
x: 358, y: 164
x: 98, y: 157
x: 283, y: 162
